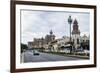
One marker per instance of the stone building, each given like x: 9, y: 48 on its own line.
x: 85, y: 42
x: 75, y: 35
x: 50, y: 37
x: 41, y: 43
x: 59, y: 45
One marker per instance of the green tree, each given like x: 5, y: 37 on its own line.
x: 23, y: 47
x: 85, y: 45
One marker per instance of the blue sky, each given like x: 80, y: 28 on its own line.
x: 37, y: 24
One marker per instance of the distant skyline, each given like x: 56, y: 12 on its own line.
x: 37, y: 24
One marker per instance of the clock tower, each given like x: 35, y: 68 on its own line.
x: 76, y: 35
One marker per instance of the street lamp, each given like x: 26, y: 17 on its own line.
x: 70, y: 22
x: 42, y: 42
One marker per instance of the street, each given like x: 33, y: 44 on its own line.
x: 44, y: 57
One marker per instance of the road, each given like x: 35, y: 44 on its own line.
x: 44, y: 57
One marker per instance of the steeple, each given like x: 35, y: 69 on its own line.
x: 51, y: 32
x: 75, y: 27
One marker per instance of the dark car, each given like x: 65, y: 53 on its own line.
x: 35, y: 52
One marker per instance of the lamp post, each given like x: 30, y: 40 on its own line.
x: 42, y: 44
x: 70, y: 22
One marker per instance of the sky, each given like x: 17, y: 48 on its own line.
x: 37, y: 24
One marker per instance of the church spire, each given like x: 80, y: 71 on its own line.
x: 51, y: 32
x: 75, y: 22
x: 75, y: 27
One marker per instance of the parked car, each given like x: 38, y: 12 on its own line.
x: 35, y: 52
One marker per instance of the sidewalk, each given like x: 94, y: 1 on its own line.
x: 22, y: 58
x: 78, y: 56
x: 69, y: 55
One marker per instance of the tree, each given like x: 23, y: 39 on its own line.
x: 85, y: 45
x: 23, y: 47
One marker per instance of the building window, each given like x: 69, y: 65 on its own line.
x: 77, y: 41
x: 83, y: 41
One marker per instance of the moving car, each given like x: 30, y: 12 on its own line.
x: 35, y: 52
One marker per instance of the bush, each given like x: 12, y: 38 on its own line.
x: 23, y: 47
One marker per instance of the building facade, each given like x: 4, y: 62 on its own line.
x: 75, y: 35
x: 85, y: 42
x: 41, y: 43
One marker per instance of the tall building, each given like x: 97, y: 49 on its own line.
x: 75, y: 35
x: 50, y: 37
x: 43, y: 42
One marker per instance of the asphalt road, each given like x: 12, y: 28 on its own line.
x: 44, y: 57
